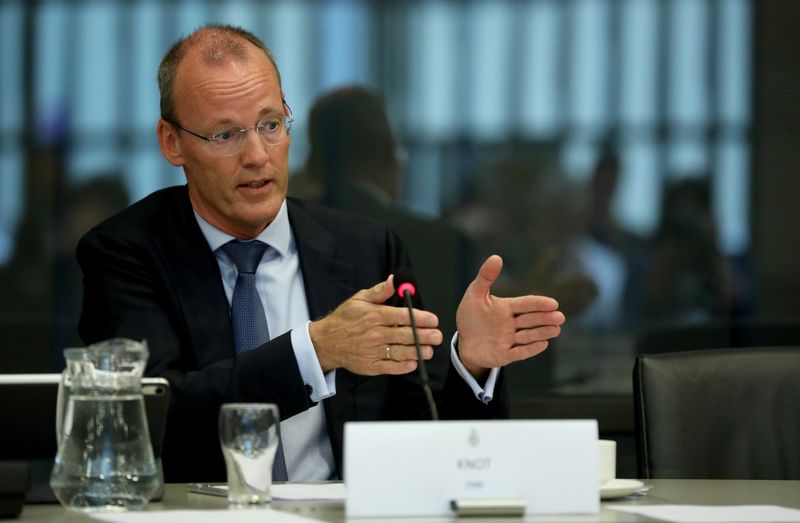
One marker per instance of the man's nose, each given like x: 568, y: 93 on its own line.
x: 255, y: 150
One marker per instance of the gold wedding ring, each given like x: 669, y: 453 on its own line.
x: 388, y: 354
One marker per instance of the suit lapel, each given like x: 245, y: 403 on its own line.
x: 197, y: 284
x: 328, y: 281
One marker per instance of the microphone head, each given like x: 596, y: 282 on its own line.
x: 404, y: 281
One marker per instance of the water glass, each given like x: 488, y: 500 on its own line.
x: 248, y: 434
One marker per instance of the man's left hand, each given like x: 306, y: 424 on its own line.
x: 493, y: 332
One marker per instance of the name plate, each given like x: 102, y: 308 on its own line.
x: 421, y: 468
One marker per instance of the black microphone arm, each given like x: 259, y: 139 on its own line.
x: 406, y: 287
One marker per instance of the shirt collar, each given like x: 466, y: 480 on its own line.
x: 277, y: 234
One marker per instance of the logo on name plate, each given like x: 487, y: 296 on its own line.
x: 473, y: 438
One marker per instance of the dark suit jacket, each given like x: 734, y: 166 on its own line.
x: 149, y: 274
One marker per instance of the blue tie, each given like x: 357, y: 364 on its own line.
x: 249, y: 322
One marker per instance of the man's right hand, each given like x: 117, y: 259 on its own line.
x: 355, y: 335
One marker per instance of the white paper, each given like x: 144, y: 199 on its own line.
x: 713, y: 514
x: 408, y: 469
x: 309, y: 491
x: 333, y: 491
x: 265, y: 515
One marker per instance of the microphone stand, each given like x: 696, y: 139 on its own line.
x: 423, y: 370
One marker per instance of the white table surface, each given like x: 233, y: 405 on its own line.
x: 694, y: 492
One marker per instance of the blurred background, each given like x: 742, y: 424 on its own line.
x: 635, y: 159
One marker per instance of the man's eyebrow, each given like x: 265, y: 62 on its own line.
x: 267, y: 111
x: 224, y: 121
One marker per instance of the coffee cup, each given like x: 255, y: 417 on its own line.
x: 606, y: 461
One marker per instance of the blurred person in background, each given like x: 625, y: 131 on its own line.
x: 687, y: 278
x: 525, y: 192
x: 353, y: 164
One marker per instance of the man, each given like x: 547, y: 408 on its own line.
x: 167, y: 270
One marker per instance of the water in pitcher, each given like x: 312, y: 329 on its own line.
x: 105, y: 461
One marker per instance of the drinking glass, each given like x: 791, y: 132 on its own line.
x: 248, y: 434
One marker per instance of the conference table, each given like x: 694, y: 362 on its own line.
x: 662, y: 492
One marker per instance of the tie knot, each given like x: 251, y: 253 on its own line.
x: 245, y: 255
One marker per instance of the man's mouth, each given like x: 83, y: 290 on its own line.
x: 255, y: 184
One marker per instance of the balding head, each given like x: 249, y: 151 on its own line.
x: 216, y: 45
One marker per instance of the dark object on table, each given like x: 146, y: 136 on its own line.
x: 13, y: 486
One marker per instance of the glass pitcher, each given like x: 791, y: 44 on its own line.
x: 105, y: 460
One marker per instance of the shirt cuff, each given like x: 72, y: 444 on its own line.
x: 321, y: 384
x: 485, y: 393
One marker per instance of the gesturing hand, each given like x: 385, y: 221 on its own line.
x: 493, y: 332
x: 356, y: 335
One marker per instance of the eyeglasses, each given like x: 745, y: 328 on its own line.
x: 228, y: 142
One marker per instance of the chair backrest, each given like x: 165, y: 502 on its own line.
x: 719, y: 414
x: 718, y: 335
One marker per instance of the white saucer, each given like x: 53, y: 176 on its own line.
x: 619, y: 488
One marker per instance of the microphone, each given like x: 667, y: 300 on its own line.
x: 406, y: 286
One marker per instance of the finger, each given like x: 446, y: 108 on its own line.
x: 527, y: 336
x: 393, y: 367
x: 488, y: 273
x: 409, y: 352
x: 399, y: 316
x: 539, y: 319
x: 405, y: 336
x: 378, y: 293
x: 523, y: 352
x: 530, y: 303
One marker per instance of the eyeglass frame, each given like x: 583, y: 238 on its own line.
x: 288, y: 119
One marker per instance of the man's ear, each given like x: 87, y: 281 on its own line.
x: 169, y: 143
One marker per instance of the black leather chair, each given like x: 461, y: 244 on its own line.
x: 719, y: 414
x: 717, y: 335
